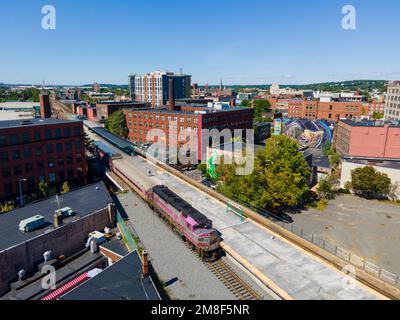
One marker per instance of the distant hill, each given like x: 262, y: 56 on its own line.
x: 354, y: 85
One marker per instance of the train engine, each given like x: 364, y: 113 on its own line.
x: 192, y: 225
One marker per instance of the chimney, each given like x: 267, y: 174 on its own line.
x: 145, y: 263
x: 45, y: 109
x: 58, y: 219
x: 171, y: 94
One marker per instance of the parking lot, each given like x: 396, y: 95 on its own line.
x: 368, y: 228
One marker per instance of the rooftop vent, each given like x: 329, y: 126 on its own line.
x: 26, y: 122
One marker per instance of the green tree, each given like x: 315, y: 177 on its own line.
x: 377, y: 115
x: 245, y: 103
x: 65, y: 187
x: 8, y: 206
x: 116, y: 123
x: 279, y: 179
x: 325, y: 189
x: 44, y: 188
x: 369, y: 183
x: 260, y: 107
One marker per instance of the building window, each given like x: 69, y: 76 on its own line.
x: 25, y: 137
x: 58, y: 133
x: 39, y: 152
x: 37, y: 135
x: 67, y: 132
x: 59, y: 147
x: 16, y: 155
x: 14, y: 139
x: 4, y: 156
x: 27, y: 153
x: 48, y: 134
x: 52, y: 177
x: 49, y: 148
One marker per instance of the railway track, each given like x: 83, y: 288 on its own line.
x: 229, y: 278
x: 232, y: 281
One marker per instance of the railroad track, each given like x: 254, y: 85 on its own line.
x: 232, y: 281
x: 229, y: 278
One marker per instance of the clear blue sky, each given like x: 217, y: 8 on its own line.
x: 241, y: 41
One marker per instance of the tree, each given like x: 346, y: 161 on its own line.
x: 44, y: 188
x: 377, y: 115
x: 8, y: 206
x: 65, y: 187
x: 245, y: 103
x: 325, y: 189
x: 260, y: 107
x: 279, y: 179
x: 116, y: 123
x: 369, y: 183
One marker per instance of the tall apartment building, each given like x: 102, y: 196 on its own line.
x: 392, y: 104
x: 154, y: 87
x: 46, y: 149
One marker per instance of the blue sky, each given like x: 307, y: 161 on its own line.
x: 240, y: 41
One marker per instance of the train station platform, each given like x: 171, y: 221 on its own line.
x: 287, y: 268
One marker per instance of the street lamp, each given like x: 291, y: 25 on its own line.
x: 21, y: 199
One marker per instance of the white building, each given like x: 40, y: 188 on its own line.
x: 391, y: 168
x: 392, y: 103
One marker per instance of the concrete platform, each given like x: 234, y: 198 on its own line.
x: 301, y: 275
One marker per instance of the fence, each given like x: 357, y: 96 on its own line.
x: 127, y: 235
x: 342, y: 253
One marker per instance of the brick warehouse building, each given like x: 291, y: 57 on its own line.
x: 40, y: 149
x: 140, y: 121
x: 106, y: 108
x: 368, y: 139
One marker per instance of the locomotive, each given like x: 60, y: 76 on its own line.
x: 189, y: 223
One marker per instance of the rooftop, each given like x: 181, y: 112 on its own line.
x: 7, y: 124
x: 111, y: 137
x: 381, y: 162
x: 202, y: 108
x: 370, y: 123
x: 121, y: 281
x: 83, y: 202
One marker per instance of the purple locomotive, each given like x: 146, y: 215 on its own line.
x: 192, y: 225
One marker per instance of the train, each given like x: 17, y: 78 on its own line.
x: 190, y: 224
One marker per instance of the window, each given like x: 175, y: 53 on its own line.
x: 59, y: 147
x: 2, y: 140
x: 58, y: 133
x: 77, y: 131
x: 4, y: 156
x: 68, y: 146
x: 6, y: 172
x: 27, y: 153
x: 49, y: 148
x: 14, y: 139
x: 48, y: 134
x: 39, y: 151
x: 78, y: 145
x: 28, y: 167
x: 52, y: 177
x: 37, y: 135
x: 16, y: 155
x: 67, y: 132
x: 51, y: 164
x: 18, y: 170
x: 25, y: 137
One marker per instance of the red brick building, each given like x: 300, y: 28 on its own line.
x: 140, y: 121
x: 40, y: 149
x: 107, y: 108
x: 368, y: 139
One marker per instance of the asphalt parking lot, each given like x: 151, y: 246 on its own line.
x: 368, y: 228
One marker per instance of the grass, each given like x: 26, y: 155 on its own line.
x: 320, y: 204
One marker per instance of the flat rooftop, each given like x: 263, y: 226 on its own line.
x: 202, y: 108
x: 370, y: 123
x: 378, y: 162
x: 121, y: 281
x: 7, y: 124
x: 83, y: 201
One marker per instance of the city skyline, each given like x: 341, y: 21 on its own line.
x: 255, y: 43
